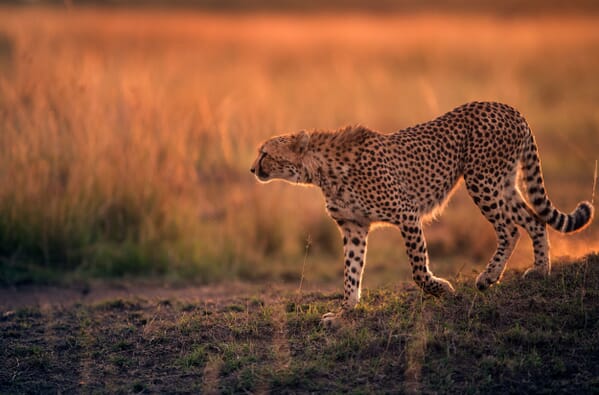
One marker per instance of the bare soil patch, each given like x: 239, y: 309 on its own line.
x: 520, y: 336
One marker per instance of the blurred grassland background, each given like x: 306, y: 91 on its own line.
x: 126, y: 135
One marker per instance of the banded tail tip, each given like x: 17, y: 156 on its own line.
x: 580, y: 218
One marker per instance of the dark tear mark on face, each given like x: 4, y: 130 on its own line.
x: 261, y: 173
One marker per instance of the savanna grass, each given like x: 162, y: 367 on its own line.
x: 126, y: 136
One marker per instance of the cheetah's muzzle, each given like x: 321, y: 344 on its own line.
x: 258, y: 170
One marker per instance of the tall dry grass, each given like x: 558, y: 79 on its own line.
x: 126, y: 136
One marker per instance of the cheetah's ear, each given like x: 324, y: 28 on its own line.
x: 301, y: 142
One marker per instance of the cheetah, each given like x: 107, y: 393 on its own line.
x: 404, y: 177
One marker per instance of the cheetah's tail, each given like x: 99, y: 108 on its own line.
x: 577, y: 220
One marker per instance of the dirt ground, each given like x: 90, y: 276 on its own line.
x: 97, y: 291
x: 521, y: 336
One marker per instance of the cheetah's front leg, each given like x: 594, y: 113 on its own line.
x: 354, y: 249
x: 411, y: 230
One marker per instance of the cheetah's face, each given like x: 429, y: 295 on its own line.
x: 280, y: 158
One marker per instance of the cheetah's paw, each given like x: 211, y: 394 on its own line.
x: 484, y: 281
x: 439, y: 287
x: 537, y: 271
x: 331, y: 320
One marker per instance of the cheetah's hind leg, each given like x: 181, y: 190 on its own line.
x: 492, y: 202
x: 523, y: 215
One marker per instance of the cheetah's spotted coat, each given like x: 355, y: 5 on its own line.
x: 399, y: 178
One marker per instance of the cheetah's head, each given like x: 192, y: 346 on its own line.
x: 280, y: 158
